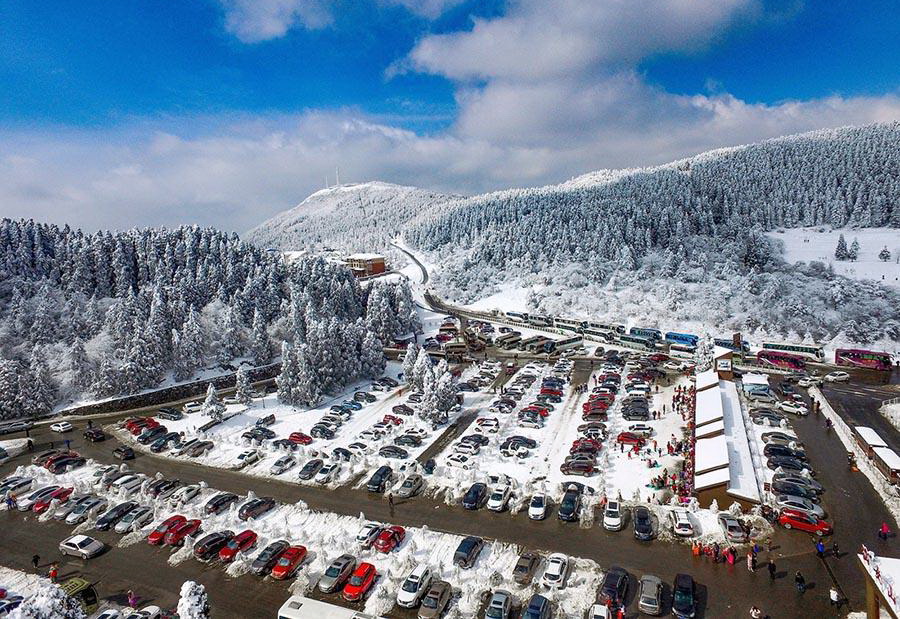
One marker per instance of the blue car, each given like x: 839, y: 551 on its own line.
x: 351, y: 404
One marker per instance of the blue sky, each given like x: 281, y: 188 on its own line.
x: 227, y: 111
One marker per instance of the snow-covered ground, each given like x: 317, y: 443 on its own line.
x: 20, y: 583
x: 891, y: 412
x: 327, y: 536
x: 12, y: 447
x: 819, y: 243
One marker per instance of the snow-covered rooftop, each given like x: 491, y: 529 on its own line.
x: 365, y: 257
x: 711, y: 454
x: 889, y: 457
x: 721, y: 351
x: 885, y: 574
x: 755, y: 379
x: 707, y: 379
x: 709, y: 407
x: 743, y: 482
x: 711, y: 479
x: 869, y: 436
x: 710, y: 429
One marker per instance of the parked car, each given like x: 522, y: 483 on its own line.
x: 837, y: 377
x: 650, y: 596
x: 411, y: 486
x: 499, y: 498
x: 414, y: 587
x: 220, y: 502
x: 570, y: 506
x: 265, y: 560
x: 337, y: 574
x: 112, y: 516
x: 210, y: 545
x: 525, y: 568
x: 359, y: 583
x: 86, y: 509
x: 380, y: 479
x: 467, y: 552
x: 177, y: 535
x: 614, y: 586
x: 389, y: 539
x: 613, y: 519
x: 802, y: 521
x: 499, y: 606
x: 537, y: 507
x: 732, y: 529
x: 94, y: 435
x: 62, y: 426
x: 799, y: 504
x: 538, y: 608
x: 683, y: 596
x: 289, y: 561
x: 681, y: 522
x: 135, y: 519
x: 310, y: 469
x: 255, y: 508
x: 157, y: 535
x: 557, y: 571
x: 435, y: 600
x: 643, y: 523
x: 283, y: 464
x: 242, y: 542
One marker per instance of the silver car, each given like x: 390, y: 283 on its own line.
x: 733, y: 530
x: 500, y: 606
x: 800, y: 504
x: 81, y: 546
x: 90, y: 507
x: 337, y: 574
x: 135, y: 519
x: 61, y: 512
x: 650, y: 598
x: 411, y: 486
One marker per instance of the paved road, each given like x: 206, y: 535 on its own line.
x: 730, y: 590
x: 858, y: 404
x: 421, y: 266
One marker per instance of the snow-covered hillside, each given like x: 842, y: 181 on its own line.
x: 357, y: 217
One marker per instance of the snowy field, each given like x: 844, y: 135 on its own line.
x: 808, y: 244
x: 891, y: 412
x: 20, y: 583
x: 326, y: 536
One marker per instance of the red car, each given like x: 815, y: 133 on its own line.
x: 300, y: 438
x: 288, y: 562
x: 389, y: 538
x: 549, y: 391
x: 392, y: 419
x: 543, y: 412
x: 586, y: 442
x: 630, y: 438
x: 239, y: 543
x: 137, y: 421
x: 175, y: 536
x: 656, y: 358
x: 137, y: 429
x: 158, y: 534
x: 360, y: 582
x: 594, y: 405
x: 61, y: 455
x: 61, y: 494
x: 793, y: 519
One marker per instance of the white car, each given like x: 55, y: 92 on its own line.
x: 230, y: 400
x: 247, y: 458
x: 110, y: 613
x: 837, y: 377
x: 612, y: 516
x: 192, y: 407
x: 185, y: 446
x: 327, y: 473
x: 62, y: 426
x: 681, y: 523
x: 641, y: 428
x: 134, y: 520
x: 537, y: 508
x: 498, y: 499
x: 421, y: 433
x: 414, y: 587
x: 368, y: 534
x: 796, y: 408
x: 81, y: 546
x: 532, y: 422
x: 87, y: 509
x: 147, y: 612
x: 487, y: 429
x: 282, y: 464
x: 599, y: 611
x: 459, y: 461
x: 467, y: 448
x: 556, y: 572
x: 128, y: 484
x: 761, y: 396
x: 184, y: 495
x: 27, y: 502
x: 371, y: 435
x: 809, y: 381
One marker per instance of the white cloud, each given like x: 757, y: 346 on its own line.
x: 253, y: 21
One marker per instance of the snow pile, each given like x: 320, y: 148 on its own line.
x: 891, y: 412
x: 21, y: 583
x: 48, y: 602
x: 193, y: 603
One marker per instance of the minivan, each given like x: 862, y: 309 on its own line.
x: 380, y: 479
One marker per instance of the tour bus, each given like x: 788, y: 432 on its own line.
x: 810, y: 351
x: 520, y: 316
x: 682, y: 350
x: 647, y: 332
x: 456, y: 347
x: 606, y: 336
x: 780, y: 359
x: 567, y: 324
x: 298, y: 607
x: 538, y: 345
x: 540, y: 321
x: 730, y: 345
x: 510, y: 343
x: 502, y: 339
x: 636, y: 341
x: 682, y: 338
x: 862, y: 359
x: 602, y: 326
x: 524, y: 344
x: 564, y: 344
x: 449, y: 329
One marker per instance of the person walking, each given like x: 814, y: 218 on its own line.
x: 820, y: 549
x: 35, y: 560
x: 755, y: 612
x: 53, y: 573
x: 68, y: 444
x: 391, y: 499
x: 132, y: 599
x: 884, y: 531
x: 772, y: 568
x: 834, y: 550
x: 800, y: 582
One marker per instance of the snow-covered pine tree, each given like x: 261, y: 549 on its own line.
x: 421, y: 370
x: 193, y: 602
x: 106, y: 380
x: 372, y: 355
x: 212, y: 406
x: 10, y: 403
x: 260, y: 346
x: 287, y: 379
x: 409, y: 360
x: 49, y: 602
x: 885, y: 254
x: 37, y: 391
x: 840, y: 252
x: 853, y: 252
x: 231, y: 343
x: 307, y: 390
x: 79, y: 366
x: 445, y: 393
x: 243, y: 391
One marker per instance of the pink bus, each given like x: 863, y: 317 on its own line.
x: 780, y: 360
x: 862, y: 359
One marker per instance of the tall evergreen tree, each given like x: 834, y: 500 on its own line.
x: 212, y: 406
x: 243, y: 391
x: 260, y: 346
x: 840, y: 252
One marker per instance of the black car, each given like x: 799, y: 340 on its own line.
x: 683, y: 602
x: 94, y: 435
x: 406, y: 440
x: 265, y: 560
x: 636, y: 415
x: 163, y: 442
x: 800, y: 480
x: 402, y: 409
x: 66, y: 464
x: 163, y: 487
x: 342, y: 454
x: 148, y: 436
x: 467, y: 551
x: 220, y: 502
x: 310, y: 469
x: 524, y: 440
x: 538, y: 608
x: 211, y: 544
x: 364, y: 396
x: 475, y: 496
x: 387, y: 380
x: 320, y: 431
x: 255, y: 508
x: 643, y: 523
x: 114, y: 515
x: 392, y: 451
x: 783, y: 450
x: 806, y: 492
x: 287, y: 444
x: 570, y: 506
x: 614, y: 586
x: 429, y: 466
x: 380, y: 479
x: 476, y: 439
x: 123, y: 453
x: 788, y: 464
x: 170, y: 414
x: 268, y: 420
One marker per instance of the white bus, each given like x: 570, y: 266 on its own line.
x: 298, y: 607
x: 564, y: 344
x: 568, y: 324
x: 810, y: 351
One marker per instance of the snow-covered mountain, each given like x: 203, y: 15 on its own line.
x: 353, y: 217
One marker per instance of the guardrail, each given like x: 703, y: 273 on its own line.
x: 891, y: 401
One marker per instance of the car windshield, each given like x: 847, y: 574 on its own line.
x: 284, y: 562
x: 233, y: 544
x: 430, y: 601
x: 356, y: 581
x: 568, y: 502
x: 410, y: 586
x: 682, y: 598
x: 333, y: 571
x: 495, y: 612
x: 522, y: 568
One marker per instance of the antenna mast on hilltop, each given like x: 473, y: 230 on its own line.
x: 337, y: 176
x: 326, y: 181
